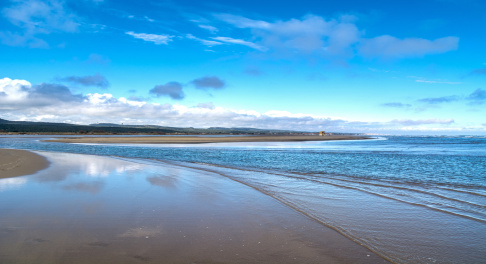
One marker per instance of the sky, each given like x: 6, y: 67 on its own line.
x: 382, y: 67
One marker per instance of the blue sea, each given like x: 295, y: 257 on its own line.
x: 411, y: 199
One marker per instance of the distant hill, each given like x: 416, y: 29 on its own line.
x: 7, y: 126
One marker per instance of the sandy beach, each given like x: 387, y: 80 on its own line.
x: 158, y: 213
x: 14, y: 162
x: 201, y: 139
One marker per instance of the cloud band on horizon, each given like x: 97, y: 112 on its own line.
x: 19, y: 100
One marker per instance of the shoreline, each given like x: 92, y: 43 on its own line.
x: 339, y: 202
x: 200, y: 139
x: 15, y: 162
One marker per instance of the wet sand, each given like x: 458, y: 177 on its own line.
x: 14, y: 162
x: 200, y: 139
x: 93, y: 209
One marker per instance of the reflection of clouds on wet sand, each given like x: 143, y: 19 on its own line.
x: 141, y: 232
x: 67, y: 165
x: 12, y: 183
x: 49, y: 176
x: 107, y: 166
x: 90, y: 187
x: 162, y: 181
x: 168, y: 180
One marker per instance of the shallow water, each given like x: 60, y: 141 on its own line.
x: 411, y: 199
x: 92, y: 209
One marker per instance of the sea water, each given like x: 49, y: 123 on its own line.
x: 409, y: 199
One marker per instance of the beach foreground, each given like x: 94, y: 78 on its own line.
x: 14, y: 162
x: 201, y: 139
x: 94, y: 209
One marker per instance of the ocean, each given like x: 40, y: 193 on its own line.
x: 411, y: 199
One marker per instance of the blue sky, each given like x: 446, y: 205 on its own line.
x: 399, y: 67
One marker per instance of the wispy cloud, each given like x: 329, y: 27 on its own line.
x: 307, y: 35
x: 209, y: 28
x: 97, y: 59
x: 149, y: 19
x: 409, y: 122
x: 439, y: 100
x: 378, y: 70
x: 436, y: 81
x: 15, y: 39
x: 481, y: 71
x: 254, y: 71
x: 94, y: 80
x: 35, y: 17
x: 41, y: 16
x: 477, y: 97
x: 209, y: 43
x: 335, y: 37
x: 157, y: 39
x: 243, y: 22
x: 240, y: 42
x: 397, y: 105
x: 442, y: 82
x: 208, y: 105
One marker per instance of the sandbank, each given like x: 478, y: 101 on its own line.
x: 14, y: 162
x: 200, y: 139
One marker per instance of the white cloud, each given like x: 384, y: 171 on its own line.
x: 391, y: 47
x: 19, y: 100
x: 157, y: 39
x: 98, y: 99
x: 14, y: 89
x: 309, y: 34
x: 208, y: 105
x: 131, y: 102
x: 339, y: 38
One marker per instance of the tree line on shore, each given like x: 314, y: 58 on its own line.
x: 27, y: 127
